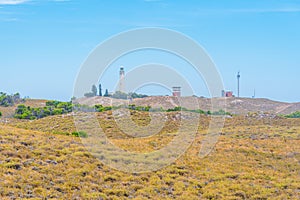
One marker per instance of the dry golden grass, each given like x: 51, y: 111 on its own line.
x: 253, y: 159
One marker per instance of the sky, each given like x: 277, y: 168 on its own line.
x: 43, y: 43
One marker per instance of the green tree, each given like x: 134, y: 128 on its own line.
x: 100, y: 90
x: 9, y: 100
x: 89, y: 94
x: 294, y: 115
x: 119, y: 95
x: 135, y: 95
x: 106, y: 93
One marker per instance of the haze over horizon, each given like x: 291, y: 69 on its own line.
x: 44, y: 43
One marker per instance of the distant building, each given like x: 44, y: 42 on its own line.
x: 176, y: 91
x: 227, y: 93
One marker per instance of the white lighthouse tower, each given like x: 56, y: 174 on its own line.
x: 122, y: 80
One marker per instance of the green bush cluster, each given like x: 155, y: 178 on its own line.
x: 136, y: 95
x: 294, y: 115
x: 119, y: 95
x: 123, y: 95
x: 221, y: 112
x: 9, y: 100
x: 0, y: 114
x: 139, y: 108
x: 58, y: 108
x: 81, y: 134
x: 178, y: 108
x: 100, y: 108
x: 51, y: 108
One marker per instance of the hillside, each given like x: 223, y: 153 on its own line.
x: 233, y: 105
x: 253, y: 159
x: 256, y: 156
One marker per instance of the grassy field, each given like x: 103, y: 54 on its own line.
x: 253, y: 159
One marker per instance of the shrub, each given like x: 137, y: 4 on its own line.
x: 139, y: 108
x: 101, y: 108
x: 51, y: 108
x: 0, y: 114
x: 294, y: 115
x: 57, y: 111
x: 119, y: 95
x: 199, y: 111
x: 221, y: 112
x: 52, y: 103
x: 178, y: 108
x: 135, y: 95
x: 81, y: 134
x: 89, y: 94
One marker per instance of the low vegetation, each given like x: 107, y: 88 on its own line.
x: 81, y: 134
x: 294, y: 115
x: 122, y: 95
x: 58, y: 108
x: 220, y: 112
x: 116, y: 95
x: 51, y: 108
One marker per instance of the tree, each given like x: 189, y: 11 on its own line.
x: 92, y: 93
x: 106, y: 93
x: 94, y: 90
x: 135, y: 95
x: 51, y: 108
x: 119, y: 95
x: 89, y: 94
x: 100, y: 90
x: 9, y: 100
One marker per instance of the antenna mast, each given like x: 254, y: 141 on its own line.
x: 238, y: 87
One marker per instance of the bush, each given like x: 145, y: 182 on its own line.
x: 135, y: 95
x: 221, y: 112
x: 0, y: 114
x: 123, y: 95
x: 119, y: 95
x: 89, y: 94
x: 294, y: 115
x: 139, y: 108
x: 51, y: 108
x: 81, y: 134
x: 52, y: 103
x: 100, y: 108
x: 178, y: 108
x: 199, y: 111
x: 57, y: 111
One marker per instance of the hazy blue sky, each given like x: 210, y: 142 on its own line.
x: 44, y: 42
